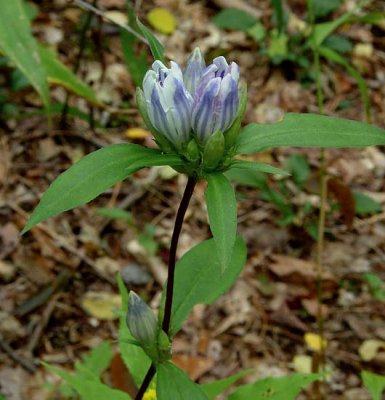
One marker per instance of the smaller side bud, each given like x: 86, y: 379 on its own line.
x: 141, y: 320
x: 213, y: 151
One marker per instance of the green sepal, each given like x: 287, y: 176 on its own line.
x: 164, y: 346
x: 161, y: 141
x: 232, y: 133
x: 152, y: 351
x: 213, y: 151
x: 160, y: 351
x: 192, y: 151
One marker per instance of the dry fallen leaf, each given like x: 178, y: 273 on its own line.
x: 364, y: 50
x: 370, y: 348
x: 102, y: 305
x: 311, y: 306
x: 302, y: 364
x: 117, y: 16
x: 300, y: 272
x: 195, y: 366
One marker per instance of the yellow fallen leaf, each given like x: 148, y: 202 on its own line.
x: 137, y: 133
x: 302, y: 364
x: 162, y: 20
x: 370, y: 348
x: 102, y: 305
x: 315, y: 342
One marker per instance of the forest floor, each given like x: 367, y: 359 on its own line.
x: 58, y: 282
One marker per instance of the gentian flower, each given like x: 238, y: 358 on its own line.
x: 196, y: 103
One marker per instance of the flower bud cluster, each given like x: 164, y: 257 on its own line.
x: 185, y: 110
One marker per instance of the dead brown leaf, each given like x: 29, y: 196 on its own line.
x: 195, y: 366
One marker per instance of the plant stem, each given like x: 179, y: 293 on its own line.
x: 174, y: 244
x: 321, y: 218
x: 100, y: 13
x: 319, y: 365
x: 188, y: 191
x: 146, y: 382
x: 82, y: 46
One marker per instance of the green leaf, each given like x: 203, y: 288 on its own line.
x: 116, y: 213
x: 323, y: 30
x: 20, y: 46
x: 213, y: 389
x: 322, y: 8
x: 376, y: 285
x: 333, y: 56
x: 57, y: 108
x: 18, y: 80
x: 146, y: 239
x: 234, y: 18
x: 135, y: 359
x: 89, y: 389
x: 365, y: 205
x: 57, y: 73
x: 309, y: 130
x: 338, y: 43
x: 258, y: 167
x: 248, y: 177
x: 374, y: 18
x: 284, y: 388
x: 136, y: 64
x: 198, y: 279
x: 374, y: 383
x: 222, y: 213
x: 279, y: 15
x: 173, y: 383
x: 97, y: 360
x: 299, y: 168
x: 257, y: 32
x: 92, y: 175
x: 157, y: 49
x: 278, y: 47
x: 31, y: 10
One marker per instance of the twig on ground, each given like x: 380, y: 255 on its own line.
x: 37, y: 333
x: 101, y: 13
x: 25, y: 363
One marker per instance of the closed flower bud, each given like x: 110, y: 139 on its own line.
x: 216, y: 99
x: 168, y: 102
x: 141, y: 320
x: 193, y: 71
